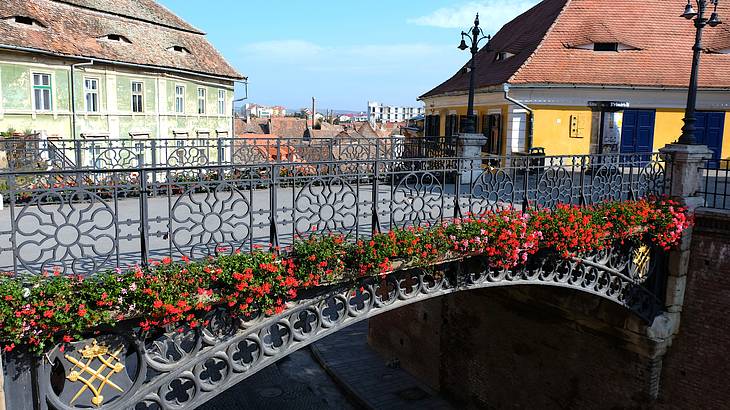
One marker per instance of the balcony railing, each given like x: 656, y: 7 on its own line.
x: 715, y: 186
x: 88, y: 219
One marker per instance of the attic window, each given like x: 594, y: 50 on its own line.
x: 179, y: 49
x: 502, y: 55
x: 116, y: 38
x: 26, y: 21
x: 605, y: 46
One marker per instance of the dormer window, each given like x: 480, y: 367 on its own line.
x: 117, y: 38
x: 502, y: 55
x: 179, y: 49
x: 605, y: 46
x: 25, y: 21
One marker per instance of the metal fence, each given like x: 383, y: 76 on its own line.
x: 86, y: 220
x: 715, y: 186
x: 36, y: 153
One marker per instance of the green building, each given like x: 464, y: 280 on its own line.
x: 110, y: 68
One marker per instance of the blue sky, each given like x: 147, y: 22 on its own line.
x: 342, y: 52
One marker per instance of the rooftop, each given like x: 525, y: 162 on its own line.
x: 143, y: 33
x: 552, y: 43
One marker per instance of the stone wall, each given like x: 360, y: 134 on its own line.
x: 537, y: 347
x: 697, y: 366
x: 523, y: 348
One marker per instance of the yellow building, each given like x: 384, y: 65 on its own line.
x: 590, y: 76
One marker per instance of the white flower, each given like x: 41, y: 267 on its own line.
x: 26, y: 292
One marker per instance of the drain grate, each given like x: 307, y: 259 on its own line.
x: 412, y: 394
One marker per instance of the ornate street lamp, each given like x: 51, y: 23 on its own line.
x: 475, y: 36
x: 700, y: 21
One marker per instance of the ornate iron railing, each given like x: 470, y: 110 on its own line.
x: 715, y: 185
x: 82, y: 221
x: 184, y: 367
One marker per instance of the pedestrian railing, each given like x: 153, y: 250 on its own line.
x: 715, y: 185
x: 87, y: 219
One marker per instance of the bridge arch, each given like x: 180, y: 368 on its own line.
x: 184, y: 367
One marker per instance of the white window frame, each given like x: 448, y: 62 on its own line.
x: 48, y: 88
x: 222, y: 96
x: 93, y: 92
x: 202, y: 103
x: 139, y: 94
x: 180, y: 99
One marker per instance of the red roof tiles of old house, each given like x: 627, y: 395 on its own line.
x: 79, y: 28
x: 550, y: 43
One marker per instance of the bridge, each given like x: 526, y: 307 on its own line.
x: 98, y: 206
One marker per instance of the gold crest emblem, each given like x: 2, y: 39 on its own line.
x: 94, y: 370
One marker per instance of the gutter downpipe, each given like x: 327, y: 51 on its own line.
x: 233, y: 106
x: 72, y: 87
x: 531, y: 121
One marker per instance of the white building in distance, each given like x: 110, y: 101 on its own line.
x: 378, y: 112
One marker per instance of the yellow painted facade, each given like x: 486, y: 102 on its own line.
x: 562, y: 130
x: 667, y: 127
x: 566, y: 130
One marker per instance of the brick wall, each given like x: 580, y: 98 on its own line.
x: 696, y: 370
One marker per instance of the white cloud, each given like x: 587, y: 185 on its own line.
x: 290, y: 71
x: 493, y: 14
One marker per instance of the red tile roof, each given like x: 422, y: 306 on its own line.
x: 662, y: 58
x: 75, y: 28
x: 520, y: 37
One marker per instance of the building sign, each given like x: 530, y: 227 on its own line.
x: 608, y: 105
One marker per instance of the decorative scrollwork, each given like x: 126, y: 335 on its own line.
x: 491, y: 188
x: 117, y: 158
x: 326, y: 204
x: 606, y: 183
x: 209, y: 219
x: 417, y: 198
x: 70, y: 231
x: 652, y: 180
x: 249, y: 154
x: 554, y: 186
x: 188, y: 156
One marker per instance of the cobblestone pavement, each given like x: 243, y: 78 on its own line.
x: 339, y: 372
x: 295, y: 382
x: 366, y: 377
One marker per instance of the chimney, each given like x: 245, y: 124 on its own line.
x: 314, y: 111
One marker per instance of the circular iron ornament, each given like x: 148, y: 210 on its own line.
x: 221, y: 325
x: 554, y: 186
x: 249, y: 154
x: 652, y: 180
x: 166, y: 350
x: 493, y: 188
x: 117, y: 158
x: 606, y: 183
x: 306, y: 323
x: 72, y: 231
x: 213, y: 372
x: 181, y: 391
x: 188, y: 156
x: 416, y: 199
x: 246, y: 353
x: 326, y: 205
x: 276, y: 338
x: 210, y: 219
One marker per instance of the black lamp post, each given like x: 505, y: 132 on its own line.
x: 700, y: 21
x: 476, y: 36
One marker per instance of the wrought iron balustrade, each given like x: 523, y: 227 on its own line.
x: 84, y: 220
x: 715, y: 184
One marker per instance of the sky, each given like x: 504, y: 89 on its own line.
x: 343, y: 52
